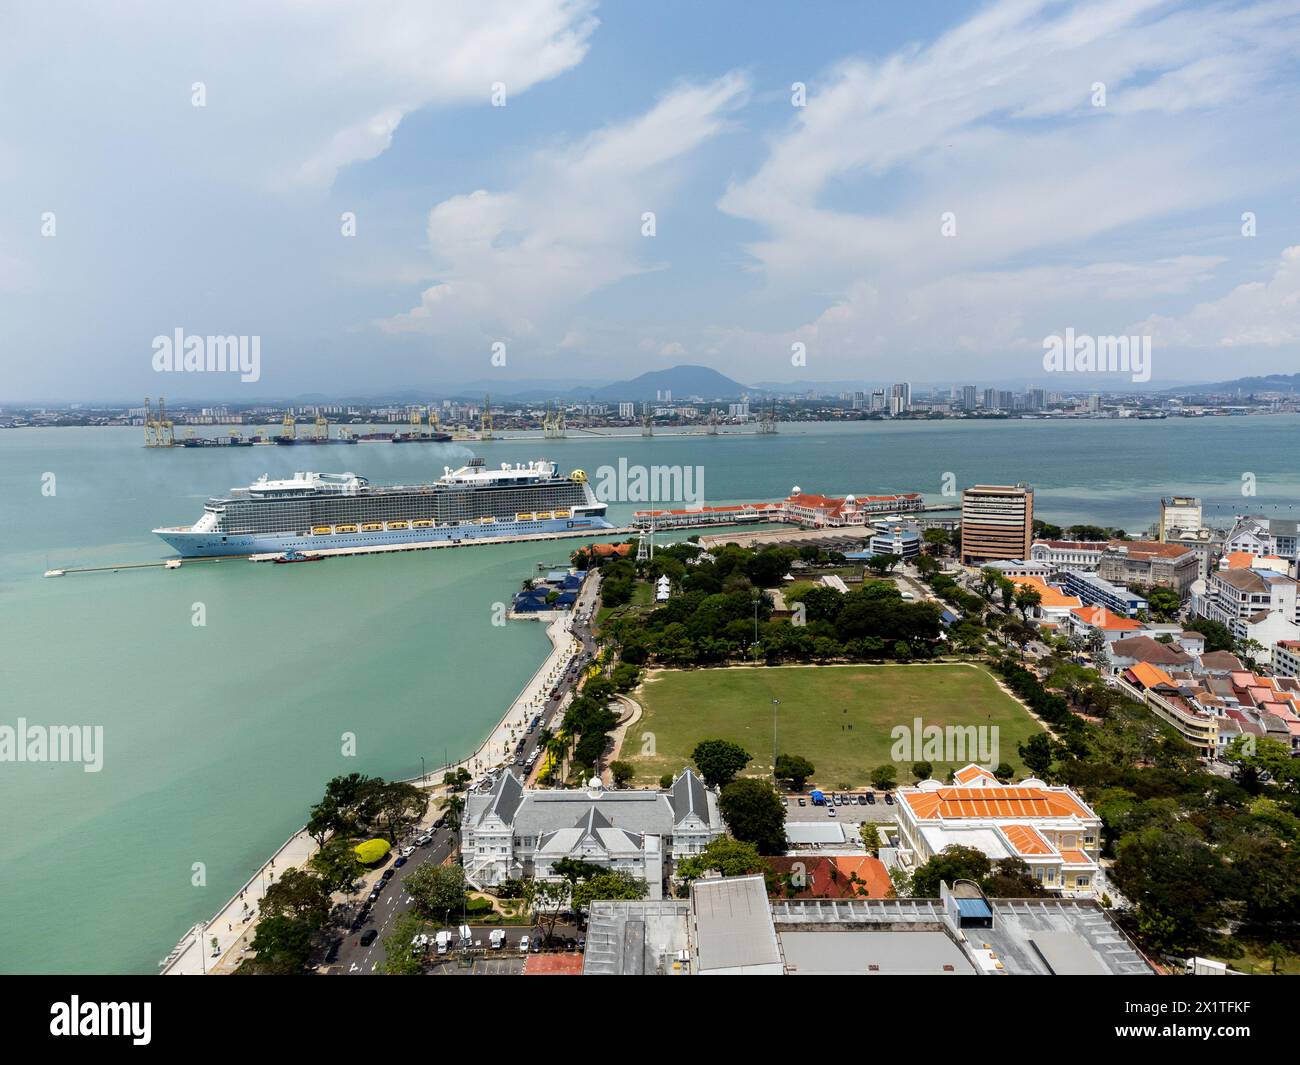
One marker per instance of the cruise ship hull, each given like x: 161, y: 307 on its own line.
x: 211, y: 544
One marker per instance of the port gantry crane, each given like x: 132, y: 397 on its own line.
x: 647, y: 426
x: 322, y: 428
x: 767, y: 420
x: 553, y: 425
x: 290, y: 426
x: 485, y: 418
x: 159, y: 431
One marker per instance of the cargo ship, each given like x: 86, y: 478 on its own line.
x: 317, y: 511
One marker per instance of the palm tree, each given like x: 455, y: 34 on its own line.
x: 455, y: 806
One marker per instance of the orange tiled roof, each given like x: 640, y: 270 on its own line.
x: 1050, y: 596
x: 1150, y: 676
x: 1075, y: 858
x: 1237, y: 560
x: 1025, y: 839
x: 1146, y: 549
x: 972, y: 772
x: 1101, y: 618
x: 1009, y: 802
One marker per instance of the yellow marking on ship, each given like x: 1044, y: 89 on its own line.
x: 399, y: 524
x: 561, y: 514
x: 372, y: 526
x: 486, y: 521
x: 321, y: 530
x: 543, y: 515
x: 524, y: 517
x: 422, y: 523
x: 345, y: 528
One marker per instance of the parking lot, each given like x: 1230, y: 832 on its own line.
x: 478, y: 965
x: 851, y: 814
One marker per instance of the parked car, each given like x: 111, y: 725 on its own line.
x: 369, y: 936
x: 407, y: 851
x: 871, y: 798
x: 523, y: 944
x: 803, y: 802
x: 423, y: 841
x: 889, y: 798
x: 538, y: 943
x: 387, y: 873
x: 830, y: 811
x: 399, y: 861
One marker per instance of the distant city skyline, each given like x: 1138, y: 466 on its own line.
x: 561, y: 189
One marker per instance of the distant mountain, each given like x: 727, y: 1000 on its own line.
x: 1274, y: 382
x: 681, y: 381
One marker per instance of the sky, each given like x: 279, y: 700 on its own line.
x: 408, y: 195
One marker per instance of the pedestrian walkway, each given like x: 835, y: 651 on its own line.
x: 232, y: 927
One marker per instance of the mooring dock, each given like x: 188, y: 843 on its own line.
x: 429, y: 545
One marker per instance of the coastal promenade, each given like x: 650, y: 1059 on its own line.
x: 234, y: 924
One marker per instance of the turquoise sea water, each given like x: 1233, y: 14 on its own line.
x: 217, y: 738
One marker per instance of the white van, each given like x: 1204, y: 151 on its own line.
x: 443, y: 941
x: 498, y: 938
x: 523, y: 944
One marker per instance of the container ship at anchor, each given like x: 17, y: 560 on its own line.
x: 316, y: 511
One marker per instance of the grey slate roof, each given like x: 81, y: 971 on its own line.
x: 689, y: 796
x: 507, y: 797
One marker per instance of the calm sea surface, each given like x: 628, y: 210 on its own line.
x: 218, y: 737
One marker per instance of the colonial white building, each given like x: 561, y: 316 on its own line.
x: 1051, y: 829
x: 513, y: 831
x: 1076, y: 555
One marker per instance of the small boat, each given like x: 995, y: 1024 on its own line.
x: 296, y: 556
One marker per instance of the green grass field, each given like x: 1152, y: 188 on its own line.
x: 838, y: 717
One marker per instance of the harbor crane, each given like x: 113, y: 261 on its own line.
x: 485, y: 418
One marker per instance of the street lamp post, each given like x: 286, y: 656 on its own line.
x: 775, y: 704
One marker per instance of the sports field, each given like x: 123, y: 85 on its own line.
x: 838, y: 717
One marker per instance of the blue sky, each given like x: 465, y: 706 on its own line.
x: 521, y: 224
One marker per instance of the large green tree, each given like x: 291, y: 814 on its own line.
x: 438, y: 890
x: 719, y: 761
x: 608, y: 884
x: 755, y: 814
x: 724, y: 855
x: 795, y: 769
x: 951, y: 864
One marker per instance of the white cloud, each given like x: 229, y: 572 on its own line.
x: 514, y: 264
x: 993, y: 122
x: 295, y: 91
x: 1257, y: 314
